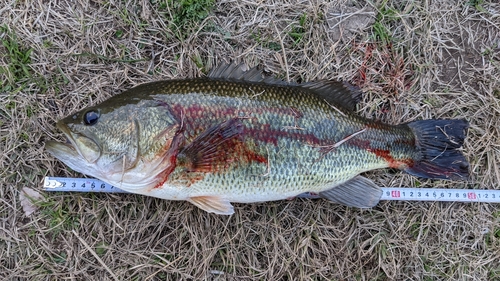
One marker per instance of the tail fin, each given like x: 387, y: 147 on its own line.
x: 438, y: 142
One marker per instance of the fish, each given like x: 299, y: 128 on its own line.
x: 239, y: 136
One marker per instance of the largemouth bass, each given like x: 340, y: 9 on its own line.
x: 236, y: 136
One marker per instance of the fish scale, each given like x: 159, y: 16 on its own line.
x: 284, y: 168
x: 246, y: 138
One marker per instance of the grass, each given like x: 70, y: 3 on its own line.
x: 265, y: 41
x: 185, y: 16
x: 18, y: 59
x: 416, y: 61
x: 387, y: 17
x: 299, y: 30
x: 59, y: 218
x: 478, y: 4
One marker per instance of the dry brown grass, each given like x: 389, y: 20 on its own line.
x: 444, y: 62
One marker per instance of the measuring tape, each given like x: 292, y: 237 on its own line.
x: 388, y: 193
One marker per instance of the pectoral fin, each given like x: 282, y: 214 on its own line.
x: 211, y: 149
x: 358, y: 192
x: 213, y: 204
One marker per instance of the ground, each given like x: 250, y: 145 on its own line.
x: 414, y: 60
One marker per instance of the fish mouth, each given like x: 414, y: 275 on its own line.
x: 56, y: 147
x: 76, y: 145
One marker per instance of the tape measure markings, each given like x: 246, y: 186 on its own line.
x: 79, y: 185
x: 388, y: 193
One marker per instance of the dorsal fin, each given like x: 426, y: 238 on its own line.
x: 336, y: 92
x: 232, y: 71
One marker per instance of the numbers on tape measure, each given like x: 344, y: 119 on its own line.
x: 437, y: 194
x: 78, y: 185
x: 388, y: 193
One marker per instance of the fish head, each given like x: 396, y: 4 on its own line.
x: 97, y: 141
x: 112, y: 143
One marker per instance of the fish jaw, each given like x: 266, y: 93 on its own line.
x: 85, y: 146
x: 80, y: 153
x: 136, y: 180
x: 67, y: 153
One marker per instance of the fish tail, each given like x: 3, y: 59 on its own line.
x: 438, y: 143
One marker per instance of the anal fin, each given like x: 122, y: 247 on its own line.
x: 213, y: 204
x: 358, y: 192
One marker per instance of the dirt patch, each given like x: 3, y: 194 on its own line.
x: 463, y: 58
x: 346, y: 21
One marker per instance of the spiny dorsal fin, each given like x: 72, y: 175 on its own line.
x: 228, y: 70
x: 357, y: 192
x: 336, y: 92
x: 232, y: 71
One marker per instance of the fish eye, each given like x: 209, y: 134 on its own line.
x: 90, y: 117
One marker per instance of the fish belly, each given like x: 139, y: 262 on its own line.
x: 291, y: 168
